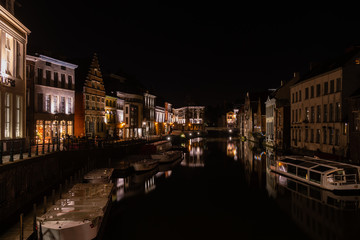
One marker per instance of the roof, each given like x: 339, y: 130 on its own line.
x: 331, y: 64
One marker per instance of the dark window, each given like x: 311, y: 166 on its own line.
x: 56, y: 79
x: 48, y: 63
x: 318, y: 90
x: 315, y: 177
x: 40, y: 102
x: 331, y: 112
x: 40, y: 75
x: 301, y: 172
x: 63, y: 80
x: 326, y: 88
x: 291, y: 169
x: 312, y: 91
x: 48, y: 77
x: 332, y: 86
x: 325, y: 113
x: 70, y: 82
x: 299, y: 95
x: 318, y: 116
x: 306, y: 93
x: 338, y: 84
x: 63, y: 68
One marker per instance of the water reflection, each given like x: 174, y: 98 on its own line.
x: 231, y: 149
x: 195, y: 156
x: 321, y: 214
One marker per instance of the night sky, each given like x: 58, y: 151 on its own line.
x: 206, y: 52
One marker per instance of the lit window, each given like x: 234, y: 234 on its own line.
x: 7, y: 115
x: 18, y: 121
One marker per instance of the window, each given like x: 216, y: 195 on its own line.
x: 63, y: 80
x: 331, y: 135
x: 56, y: 79
x: 40, y: 104
x: 325, y: 113
x: 70, y: 82
x: 126, y: 110
x: 296, y: 96
x: 318, y: 115
x: 312, y: 114
x: 356, y: 116
x: 62, y: 105
x: 48, y: 63
x: 324, y: 136
x: 48, y: 77
x: 337, y: 137
x: 331, y: 112
x: 300, y: 95
x: 55, y: 104
x: 307, y: 113
x: 296, y: 115
x: 332, y: 86
x: 317, y: 135
x: 70, y: 105
x: 7, y: 105
x: 302, y: 172
x: 40, y: 75
x: 299, y: 137
x: 337, y: 112
x: 293, y: 97
x: 312, y: 91
x: 47, y: 104
x: 306, y: 134
x: 18, y: 115
x: 19, y: 58
x: 318, y: 90
x: 306, y: 93
x: 311, y: 135
x: 9, y: 54
x: 326, y: 88
x: 63, y: 68
x: 338, y: 84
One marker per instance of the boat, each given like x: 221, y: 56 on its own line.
x: 168, y: 156
x: 101, y: 175
x: 156, y: 147
x: 145, y: 164
x: 78, y: 215
x: 322, y: 173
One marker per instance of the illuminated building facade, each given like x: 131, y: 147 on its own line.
x: 149, y: 113
x: 189, y: 118
x: 110, y: 115
x: 231, y: 120
x: 51, y: 89
x: 160, y: 120
x: 319, y: 113
x: 133, y: 114
x: 90, y: 104
x: 13, y: 41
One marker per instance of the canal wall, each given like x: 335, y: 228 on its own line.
x: 24, y: 182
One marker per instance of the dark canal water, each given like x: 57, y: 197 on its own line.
x: 222, y: 190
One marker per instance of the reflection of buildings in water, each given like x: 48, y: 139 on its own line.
x: 321, y: 214
x: 150, y: 184
x: 231, y: 150
x: 195, y: 156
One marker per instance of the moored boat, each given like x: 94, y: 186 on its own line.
x: 78, y: 215
x: 322, y: 173
x: 168, y: 156
x: 101, y: 175
x: 145, y: 164
x: 156, y: 147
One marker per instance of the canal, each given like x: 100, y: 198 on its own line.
x: 223, y: 190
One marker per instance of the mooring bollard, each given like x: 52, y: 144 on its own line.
x: 11, y: 152
x: 21, y: 227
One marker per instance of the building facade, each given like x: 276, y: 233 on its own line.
x: 160, y: 122
x: 354, y: 126
x: 111, y: 115
x: 51, y: 96
x: 133, y: 126
x: 13, y: 42
x: 90, y: 104
x: 189, y: 118
x: 149, y: 113
x: 319, y: 115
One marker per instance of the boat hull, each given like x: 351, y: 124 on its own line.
x: 145, y: 166
x: 65, y: 230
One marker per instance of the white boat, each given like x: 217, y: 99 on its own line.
x: 78, y: 215
x: 101, y: 175
x: 145, y: 164
x: 168, y: 156
x: 322, y: 173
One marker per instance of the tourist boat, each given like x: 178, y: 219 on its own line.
x: 78, y: 215
x: 156, y: 147
x: 322, y: 173
x: 168, y: 156
x: 101, y: 175
x: 145, y: 164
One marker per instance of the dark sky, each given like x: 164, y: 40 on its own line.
x: 205, y: 51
